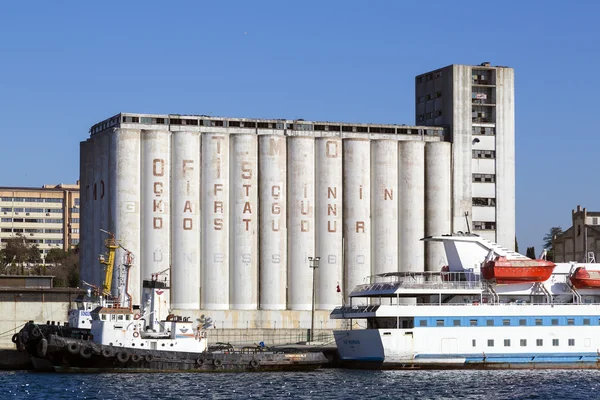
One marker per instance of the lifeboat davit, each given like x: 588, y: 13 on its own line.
x: 504, y: 271
x: 583, y: 278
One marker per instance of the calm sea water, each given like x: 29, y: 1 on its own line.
x: 321, y: 384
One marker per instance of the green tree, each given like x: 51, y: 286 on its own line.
x: 65, y: 268
x: 55, y: 256
x: 531, y: 252
x: 554, y: 231
x: 15, y: 254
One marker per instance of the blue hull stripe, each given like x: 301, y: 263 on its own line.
x: 523, y: 358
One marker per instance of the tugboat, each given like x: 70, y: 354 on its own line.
x: 130, y: 338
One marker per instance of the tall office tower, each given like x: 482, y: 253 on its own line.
x: 476, y: 104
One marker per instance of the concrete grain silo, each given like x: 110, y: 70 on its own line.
x: 229, y: 210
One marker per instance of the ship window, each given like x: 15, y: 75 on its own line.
x: 506, y: 342
x: 489, y: 322
x: 423, y: 322
x: 457, y: 322
x: 474, y: 342
x: 570, y: 321
x: 538, y: 322
x: 506, y: 322
x: 522, y: 322
x: 554, y: 321
x: 490, y: 342
x: 120, y: 317
x: 103, y: 317
x: 523, y: 342
x: 439, y: 322
x: 571, y: 342
x: 128, y: 317
x: 586, y: 321
x: 539, y: 342
x: 554, y: 342
x: 473, y: 322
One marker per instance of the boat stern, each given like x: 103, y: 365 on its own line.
x: 363, y: 346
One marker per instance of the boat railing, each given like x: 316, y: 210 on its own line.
x: 355, y: 309
x: 358, y: 309
x: 420, y: 280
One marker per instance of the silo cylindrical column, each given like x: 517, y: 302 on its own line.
x: 273, y: 222
x: 185, y: 220
x: 301, y: 220
x: 329, y: 222
x: 438, y: 192
x: 244, y: 222
x: 411, y: 176
x: 357, y: 212
x: 215, y: 218
x: 384, y: 204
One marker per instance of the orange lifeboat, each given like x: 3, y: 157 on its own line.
x: 582, y: 278
x: 505, y: 271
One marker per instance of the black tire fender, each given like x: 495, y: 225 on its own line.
x: 35, y: 331
x: 122, y: 356
x: 73, y: 347
x: 85, y: 352
x: 254, y: 363
x: 217, y: 362
x: 149, y: 358
x: 136, y: 358
x: 15, y: 338
x: 200, y: 361
x: 106, y: 353
x: 42, y: 348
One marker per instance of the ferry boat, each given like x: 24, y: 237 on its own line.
x: 145, y: 338
x: 489, y: 308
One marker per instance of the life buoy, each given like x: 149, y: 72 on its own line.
x: 254, y: 363
x: 136, y: 316
x: 122, y: 357
x: 42, y: 347
x: 85, y: 352
x: 217, y: 362
x: 136, y: 358
x: 136, y: 334
x: 106, y: 353
x: 73, y: 347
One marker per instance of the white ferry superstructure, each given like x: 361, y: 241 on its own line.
x: 546, y: 316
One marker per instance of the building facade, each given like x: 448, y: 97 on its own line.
x: 580, y: 242
x: 477, y: 104
x: 230, y: 209
x: 46, y: 216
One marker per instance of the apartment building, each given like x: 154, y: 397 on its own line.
x: 46, y: 216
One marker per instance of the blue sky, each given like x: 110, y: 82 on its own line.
x: 67, y: 65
